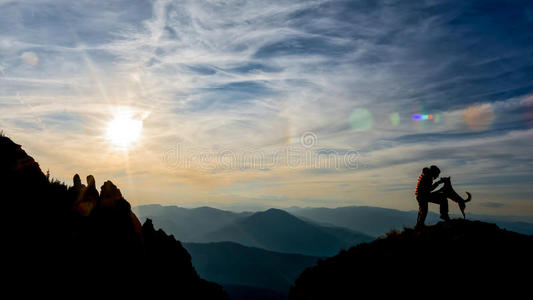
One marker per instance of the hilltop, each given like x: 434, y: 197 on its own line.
x: 449, y: 258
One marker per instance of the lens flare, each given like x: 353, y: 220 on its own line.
x: 361, y: 119
x: 421, y: 117
x: 394, y: 118
x: 478, y: 117
x: 30, y: 58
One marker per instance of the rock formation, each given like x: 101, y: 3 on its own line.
x: 60, y: 238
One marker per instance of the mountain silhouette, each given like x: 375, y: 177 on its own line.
x: 246, y: 269
x: 273, y: 229
x: 455, y: 258
x: 277, y: 230
x: 187, y: 224
x: 376, y: 221
x: 58, y: 238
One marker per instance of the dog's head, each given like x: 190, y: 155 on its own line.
x: 445, y: 180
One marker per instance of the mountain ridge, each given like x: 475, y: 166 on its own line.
x: 272, y: 229
x: 279, y: 231
x: 187, y: 224
x: 377, y: 221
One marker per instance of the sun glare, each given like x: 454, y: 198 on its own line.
x: 124, y: 130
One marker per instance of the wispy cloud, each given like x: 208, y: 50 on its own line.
x: 243, y: 75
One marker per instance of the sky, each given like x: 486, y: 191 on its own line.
x: 275, y: 103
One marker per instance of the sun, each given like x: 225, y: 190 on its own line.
x: 124, y: 129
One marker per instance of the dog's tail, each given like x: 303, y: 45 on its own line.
x: 469, y: 197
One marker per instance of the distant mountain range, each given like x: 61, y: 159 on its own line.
x: 273, y: 229
x: 248, y: 271
x: 195, y: 224
x: 373, y: 221
x: 277, y: 230
x: 187, y: 224
x: 377, y: 221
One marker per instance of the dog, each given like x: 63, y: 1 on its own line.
x: 448, y: 190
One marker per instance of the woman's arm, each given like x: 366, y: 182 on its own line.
x: 435, y: 185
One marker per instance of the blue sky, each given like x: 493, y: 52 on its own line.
x: 219, y: 80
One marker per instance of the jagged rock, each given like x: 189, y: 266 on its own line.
x: 109, y: 194
x: 77, y: 182
x: 92, y: 193
x: 87, y: 197
x: 77, y: 188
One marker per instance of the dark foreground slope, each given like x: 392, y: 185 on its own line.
x: 77, y: 240
x: 444, y: 259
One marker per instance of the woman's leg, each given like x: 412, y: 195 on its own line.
x: 422, y: 212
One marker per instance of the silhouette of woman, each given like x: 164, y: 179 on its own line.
x: 424, y: 194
